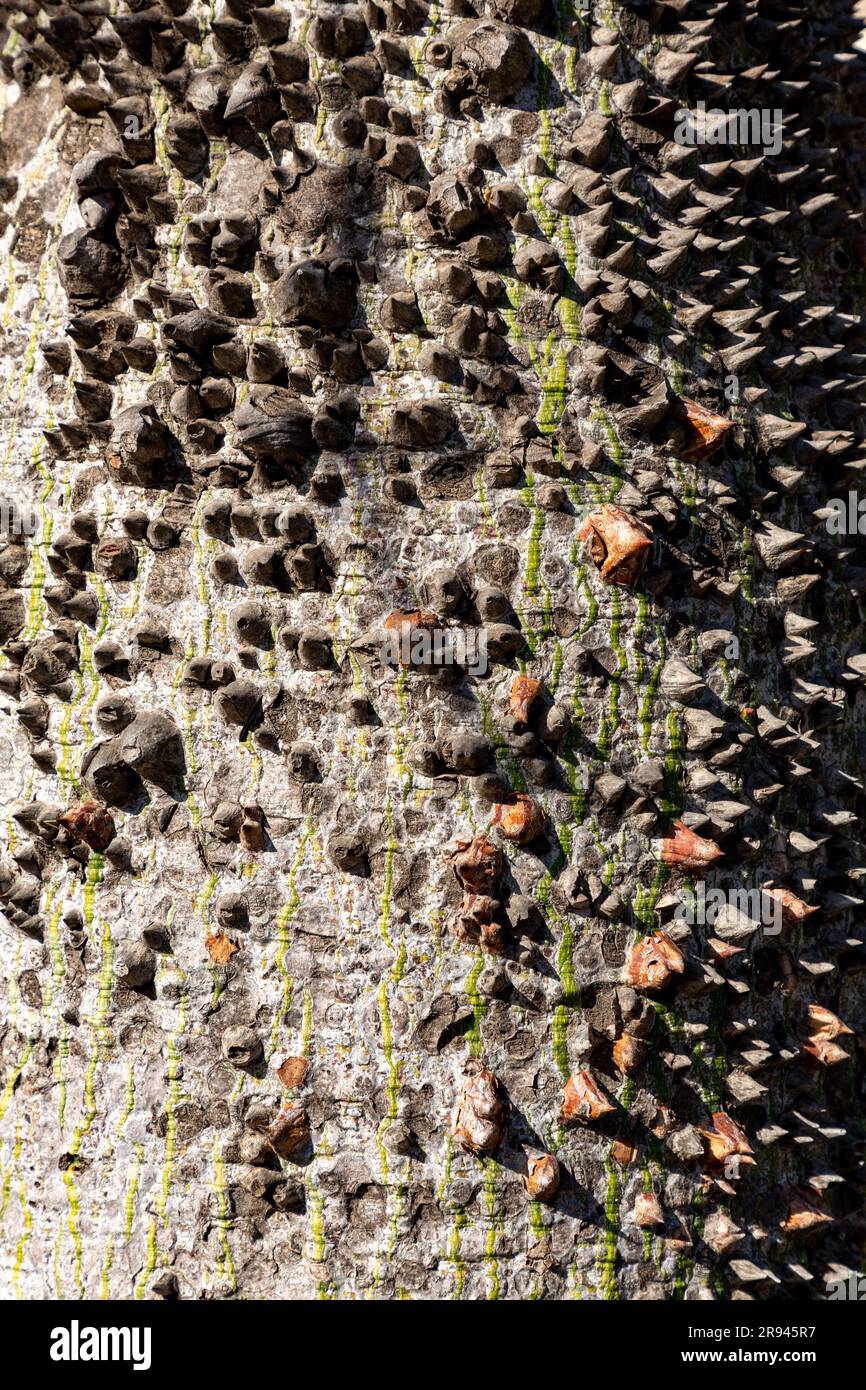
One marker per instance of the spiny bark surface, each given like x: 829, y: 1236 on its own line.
x: 324, y: 974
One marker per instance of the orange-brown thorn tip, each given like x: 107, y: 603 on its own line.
x: 252, y: 831
x: 628, y: 1053
x: 827, y: 1053
x: 823, y: 1023
x: 290, y: 1131
x: 653, y: 961
x: 220, y: 947
x: 478, y: 864
x: 793, y: 909
x: 399, y: 618
x: 623, y: 1153
x: 480, y: 1118
x: 686, y: 850
x: 723, y: 950
x: 705, y: 430
x: 90, y: 824
x: 803, y: 1214
x: 519, y: 820
x: 407, y: 622
x: 824, y: 1027
x: 648, y: 1211
x: 524, y: 689
x: 726, y: 1139
x: 476, y: 922
x: 542, y: 1177
x: 584, y: 1099
x: 619, y: 542
x: 292, y: 1072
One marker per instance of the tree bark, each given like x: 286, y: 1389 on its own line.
x: 331, y: 967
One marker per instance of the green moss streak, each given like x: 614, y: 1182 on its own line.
x: 132, y: 1191
x: 223, y: 1218
x: 283, y: 921
x: 607, y: 1262
x: 494, y: 1217
x: 671, y: 798
x: 477, y: 1003
x: 150, y: 1261
x: 645, y: 707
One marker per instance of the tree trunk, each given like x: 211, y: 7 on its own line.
x: 341, y: 958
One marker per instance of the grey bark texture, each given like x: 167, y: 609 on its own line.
x: 329, y: 968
